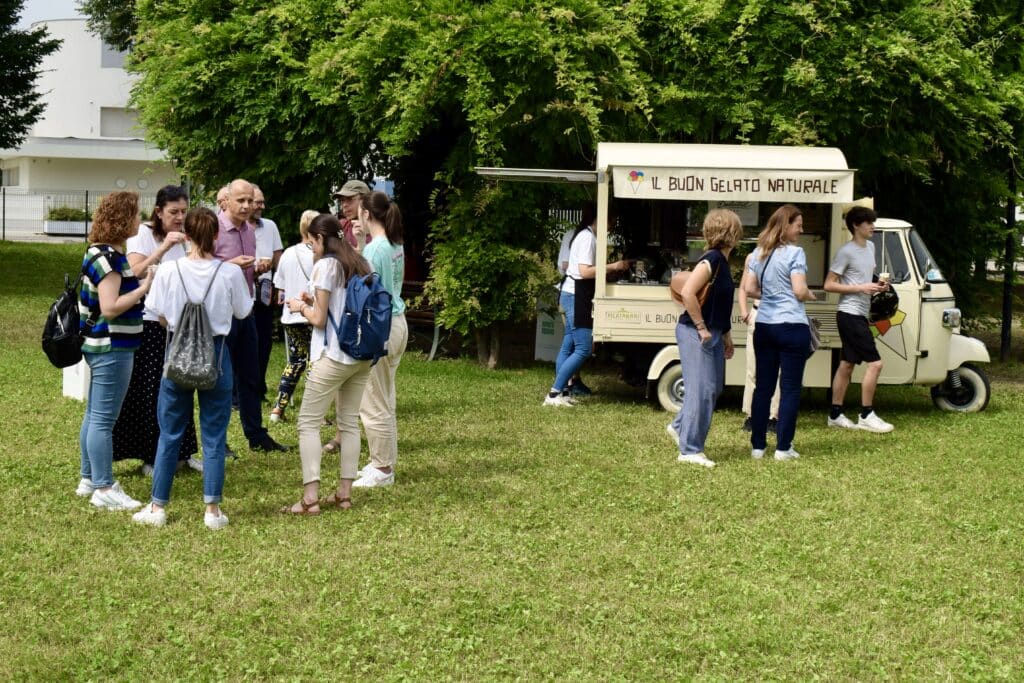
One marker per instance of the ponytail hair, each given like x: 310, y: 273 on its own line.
x: 328, y: 228
x: 166, y: 194
x: 385, y: 212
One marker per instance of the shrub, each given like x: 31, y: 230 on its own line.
x: 67, y: 213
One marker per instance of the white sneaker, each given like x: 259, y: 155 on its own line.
x: 786, y: 455
x: 195, y: 463
x: 559, y: 400
x: 215, y: 522
x: 147, y: 469
x: 672, y: 433
x: 114, y: 499
x: 148, y: 515
x: 84, y: 488
x: 756, y: 453
x: 372, y: 477
x: 842, y: 421
x: 696, y: 459
x: 873, y: 423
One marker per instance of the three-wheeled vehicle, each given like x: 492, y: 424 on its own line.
x: 659, y: 194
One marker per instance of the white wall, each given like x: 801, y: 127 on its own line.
x: 97, y: 175
x: 74, y: 84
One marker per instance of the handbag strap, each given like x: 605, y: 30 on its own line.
x: 765, y: 269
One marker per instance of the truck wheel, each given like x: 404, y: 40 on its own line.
x: 670, y: 388
x: 966, y: 390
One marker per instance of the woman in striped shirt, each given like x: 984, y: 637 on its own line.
x: 110, y: 307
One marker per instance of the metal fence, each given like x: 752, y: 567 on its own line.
x: 27, y: 215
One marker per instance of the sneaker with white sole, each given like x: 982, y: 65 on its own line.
x: 756, y: 453
x: 873, y: 423
x: 84, y: 488
x: 373, y: 477
x: 114, y: 498
x: 559, y: 401
x: 150, y: 516
x: 842, y: 422
x: 195, y: 463
x: 276, y: 415
x: 672, y: 433
x: 215, y: 522
x: 696, y: 459
x: 786, y: 455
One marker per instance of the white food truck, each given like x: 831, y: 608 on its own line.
x: 659, y: 194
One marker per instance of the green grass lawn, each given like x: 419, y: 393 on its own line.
x: 519, y: 541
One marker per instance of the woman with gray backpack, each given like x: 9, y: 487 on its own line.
x: 196, y: 298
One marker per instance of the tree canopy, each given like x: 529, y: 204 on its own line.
x: 20, y: 55
x: 925, y: 99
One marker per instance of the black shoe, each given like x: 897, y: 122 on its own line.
x: 228, y: 453
x: 747, y: 425
x: 267, y: 445
x: 772, y: 424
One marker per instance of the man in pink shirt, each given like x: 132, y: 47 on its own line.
x: 236, y: 243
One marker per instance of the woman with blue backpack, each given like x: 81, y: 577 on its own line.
x: 333, y: 372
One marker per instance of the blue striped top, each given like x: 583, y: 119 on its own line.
x: 123, y: 333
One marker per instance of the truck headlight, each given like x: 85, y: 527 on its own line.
x: 951, y: 318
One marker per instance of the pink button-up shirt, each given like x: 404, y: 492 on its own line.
x: 236, y: 241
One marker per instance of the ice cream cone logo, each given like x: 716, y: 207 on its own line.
x: 890, y: 333
x: 636, y: 179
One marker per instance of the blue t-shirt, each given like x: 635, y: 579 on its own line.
x: 388, y: 261
x: 778, y: 302
x: 123, y: 333
x: 717, y: 309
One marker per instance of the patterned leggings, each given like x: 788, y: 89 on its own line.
x: 297, y: 341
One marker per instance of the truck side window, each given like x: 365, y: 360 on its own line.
x: 889, y: 255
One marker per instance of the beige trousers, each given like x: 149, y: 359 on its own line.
x: 328, y: 381
x: 748, y: 386
x: 377, y: 411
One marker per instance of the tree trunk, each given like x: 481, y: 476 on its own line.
x: 488, y: 345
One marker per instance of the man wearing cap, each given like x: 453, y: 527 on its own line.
x: 236, y: 243
x: 349, y: 196
x: 268, y: 252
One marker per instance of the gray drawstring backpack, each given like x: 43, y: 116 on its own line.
x: 190, y: 361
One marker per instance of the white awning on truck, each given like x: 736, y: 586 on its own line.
x: 747, y: 173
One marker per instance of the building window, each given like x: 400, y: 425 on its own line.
x: 116, y: 122
x: 10, y: 177
x: 111, y: 57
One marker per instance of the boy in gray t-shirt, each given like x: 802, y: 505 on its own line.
x: 851, y: 275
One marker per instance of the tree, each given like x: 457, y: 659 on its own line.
x: 922, y: 97
x: 112, y: 20
x: 20, y: 55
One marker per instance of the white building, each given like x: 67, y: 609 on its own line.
x: 87, y: 139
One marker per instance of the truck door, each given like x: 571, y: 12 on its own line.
x: 897, y: 339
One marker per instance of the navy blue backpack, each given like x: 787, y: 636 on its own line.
x: 366, y: 321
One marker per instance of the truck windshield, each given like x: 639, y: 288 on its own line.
x: 925, y: 263
x: 889, y: 255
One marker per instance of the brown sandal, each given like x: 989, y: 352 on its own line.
x: 332, y: 446
x: 305, y: 511
x: 335, y: 502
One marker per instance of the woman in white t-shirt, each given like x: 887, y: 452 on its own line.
x: 136, y: 432
x: 292, y: 279
x: 333, y: 373
x: 222, y: 289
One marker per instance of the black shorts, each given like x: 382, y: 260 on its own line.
x: 858, y: 344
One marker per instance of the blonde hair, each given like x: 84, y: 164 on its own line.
x: 304, y: 220
x: 115, y: 217
x: 772, y: 235
x: 722, y: 228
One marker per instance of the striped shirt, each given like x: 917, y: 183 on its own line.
x: 123, y: 333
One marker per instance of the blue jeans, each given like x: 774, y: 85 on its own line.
x: 703, y: 367
x: 110, y: 374
x: 576, y: 345
x: 173, y: 410
x: 779, y: 346
x: 243, y: 347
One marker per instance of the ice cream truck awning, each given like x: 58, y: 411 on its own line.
x: 758, y: 173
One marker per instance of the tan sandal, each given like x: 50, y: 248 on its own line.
x: 332, y: 446
x: 334, y: 501
x: 305, y: 511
